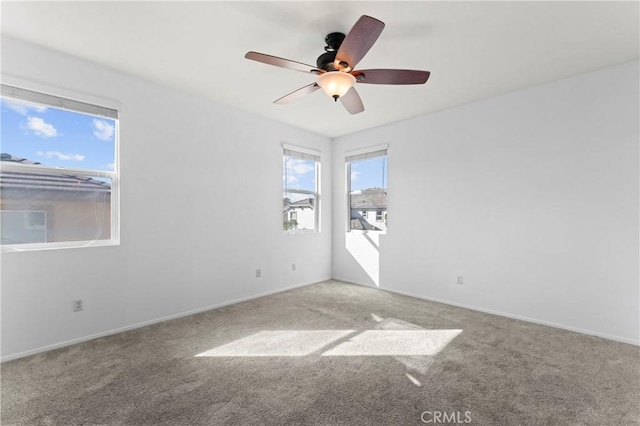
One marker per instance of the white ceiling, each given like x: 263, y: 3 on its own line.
x: 473, y: 49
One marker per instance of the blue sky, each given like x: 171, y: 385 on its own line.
x: 299, y: 174
x: 56, y: 137
x: 370, y: 173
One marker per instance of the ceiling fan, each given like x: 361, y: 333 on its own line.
x: 335, y: 68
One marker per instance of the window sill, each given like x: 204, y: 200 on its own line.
x: 12, y: 248
x: 309, y: 232
x: 366, y: 231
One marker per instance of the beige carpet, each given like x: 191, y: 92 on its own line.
x: 330, y: 354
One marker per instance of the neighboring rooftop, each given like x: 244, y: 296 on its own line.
x: 11, y: 158
x: 369, y: 199
x: 300, y: 204
x: 14, y: 184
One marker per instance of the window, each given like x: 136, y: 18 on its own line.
x: 58, y: 179
x: 301, y: 196
x: 367, y: 189
x: 19, y: 227
x: 36, y: 220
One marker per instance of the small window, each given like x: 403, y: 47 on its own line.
x: 367, y: 189
x: 58, y: 181
x: 301, y: 196
x: 22, y: 227
x: 36, y: 220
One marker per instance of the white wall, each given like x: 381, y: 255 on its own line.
x: 531, y: 196
x: 201, y: 209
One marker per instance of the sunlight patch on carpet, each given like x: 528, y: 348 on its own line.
x: 367, y: 343
x: 279, y: 343
x: 413, y: 380
x: 395, y: 342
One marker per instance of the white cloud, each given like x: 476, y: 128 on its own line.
x: 60, y: 156
x: 291, y: 178
x: 111, y: 166
x: 354, y: 175
x: 299, y: 167
x: 22, y: 108
x: 40, y: 128
x: 103, y: 130
x: 295, y: 168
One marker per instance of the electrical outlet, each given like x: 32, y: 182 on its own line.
x: 293, y: 267
x: 460, y: 280
x: 77, y: 305
x: 258, y: 273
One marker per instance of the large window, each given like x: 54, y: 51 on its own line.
x: 58, y: 174
x: 300, y: 190
x: 367, y: 189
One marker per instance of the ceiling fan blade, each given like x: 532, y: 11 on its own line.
x: 297, y: 94
x: 391, y: 76
x: 357, y: 43
x: 352, y: 102
x: 282, y: 63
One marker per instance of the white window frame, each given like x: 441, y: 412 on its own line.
x: 356, y: 155
x: 35, y: 93
x: 306, y: 154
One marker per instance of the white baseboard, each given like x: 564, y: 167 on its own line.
x: 508, y: 315
x: 268, y: 293
x: 349, y: 281
x: 150, y: 322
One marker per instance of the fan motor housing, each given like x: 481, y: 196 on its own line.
x: 326, y: 60
x: 334, y: 40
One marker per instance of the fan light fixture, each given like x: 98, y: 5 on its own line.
x: 336, y: 83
